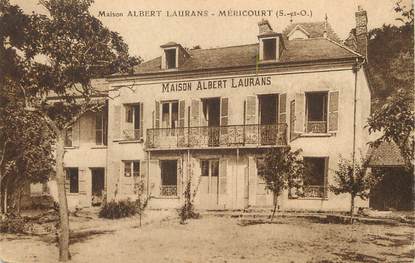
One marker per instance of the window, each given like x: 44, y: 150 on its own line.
x: 131, y: 168
x: 169, y: 114
x: 170, y: 58
x: 315, y: 177
x: 168, y: 178
x: 132, y: 125
x: 101, y: 128
x: 72, y: 179
x: 68, y: 137
x: 270, y: 49
x: 316, y: 112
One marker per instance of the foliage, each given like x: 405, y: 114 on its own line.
x: 353, y: 178
x: 118, y: 209
x: 391, y: 57
x: 13, y: 224
x: 282, y: 169
x: 187, y: 210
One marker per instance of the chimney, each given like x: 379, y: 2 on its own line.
x: 361, y: 31
x: 264, y: 27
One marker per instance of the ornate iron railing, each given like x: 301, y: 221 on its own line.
x: 317, y: 126
x: 223, y: 136
x: 168, y: 190
x: 133, y: 134
x: 314, y: 191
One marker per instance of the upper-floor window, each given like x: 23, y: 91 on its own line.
x: 132, y: 128
x: 270, y: 48
x: 68, y: 137
x: 131, y: 168
x: 72, y: 180
x: 169, y: 114
x: 171, y: 55
x: 316, y: 112
x: 101, y: 128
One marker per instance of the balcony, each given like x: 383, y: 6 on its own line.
x: 316, y: 127
x: 168, y: 190
x: 314, y: 191
x: 221, y: 137
x: 132, y: 134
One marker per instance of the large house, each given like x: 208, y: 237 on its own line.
x: 210, y: 115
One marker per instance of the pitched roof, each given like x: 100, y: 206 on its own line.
x: 314, y: 29
x: 386, y: 154
x: 298, y: 50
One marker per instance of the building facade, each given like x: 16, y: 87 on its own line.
x: 211, y: 114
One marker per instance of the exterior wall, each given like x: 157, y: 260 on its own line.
x: 85, y: 155
x: 239, y: 193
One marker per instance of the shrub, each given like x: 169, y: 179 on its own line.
x: 13, y: 224
x: 118, y: 209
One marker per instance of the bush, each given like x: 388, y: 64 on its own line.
x: 13, y: 224
x: 118, y: 209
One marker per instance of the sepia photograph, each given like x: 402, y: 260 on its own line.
x: 207, y: 131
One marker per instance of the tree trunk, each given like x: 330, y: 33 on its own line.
x: 63, y: 203
x: 5, y: 200
x: 351, y: 208
x: 275, y: 206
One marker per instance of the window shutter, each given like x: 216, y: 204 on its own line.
x: 179, y: 177
x: 223, y: 165
x: 251, y: 110
x: 67, y: 180
x: 143, y: 176
x: 283, y: 108
x: 76, y: 133
x: 141, y: 120
x: 293, y: 135
x: 182, y: 113
x: 252, y: 181
x: 195, y: 113
x: 326, y: 176
x: 157, y: 113
x: 333, y: 111
x: 116, y: 126
x: 82, y: 182
x: 299, y: 113
x: 154, y: 177
x: 224, y: 111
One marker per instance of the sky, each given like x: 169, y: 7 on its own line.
x: 144, y: 35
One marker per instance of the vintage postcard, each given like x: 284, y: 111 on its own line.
x: 207, y: 131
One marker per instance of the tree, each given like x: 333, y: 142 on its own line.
x: 25, y: 144
x: 281, y: 169
x: 391, y: 64
x: 76, y: 48
x: 353, y: 178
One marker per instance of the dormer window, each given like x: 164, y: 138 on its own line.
x: 270, y: 48
x: 270, y: 43
x: 171, y: 57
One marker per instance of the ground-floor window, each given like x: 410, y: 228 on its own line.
x: 72, y: 179
x: 314, y: 182
x: 131, y: 168
x: 168, y: 186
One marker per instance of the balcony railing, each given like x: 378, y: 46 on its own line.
x: 133, y: 134
x: 168, y: 190
x: 316, y: 126
x: 223, y: 136
x: 314, y: 191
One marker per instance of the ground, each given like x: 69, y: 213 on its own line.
x: 162, y: 238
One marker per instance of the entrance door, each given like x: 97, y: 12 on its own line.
x: 268, y: 108
x: 168, y: 185
x: 211, y: 112
x: 209, y: 184
x: 98, y: 185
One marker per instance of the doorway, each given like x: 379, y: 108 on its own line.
x: 168, y: 186
x: 268, y: 112
x: 209, y: 184
x: 98, y: 185
x: 211, y: 114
